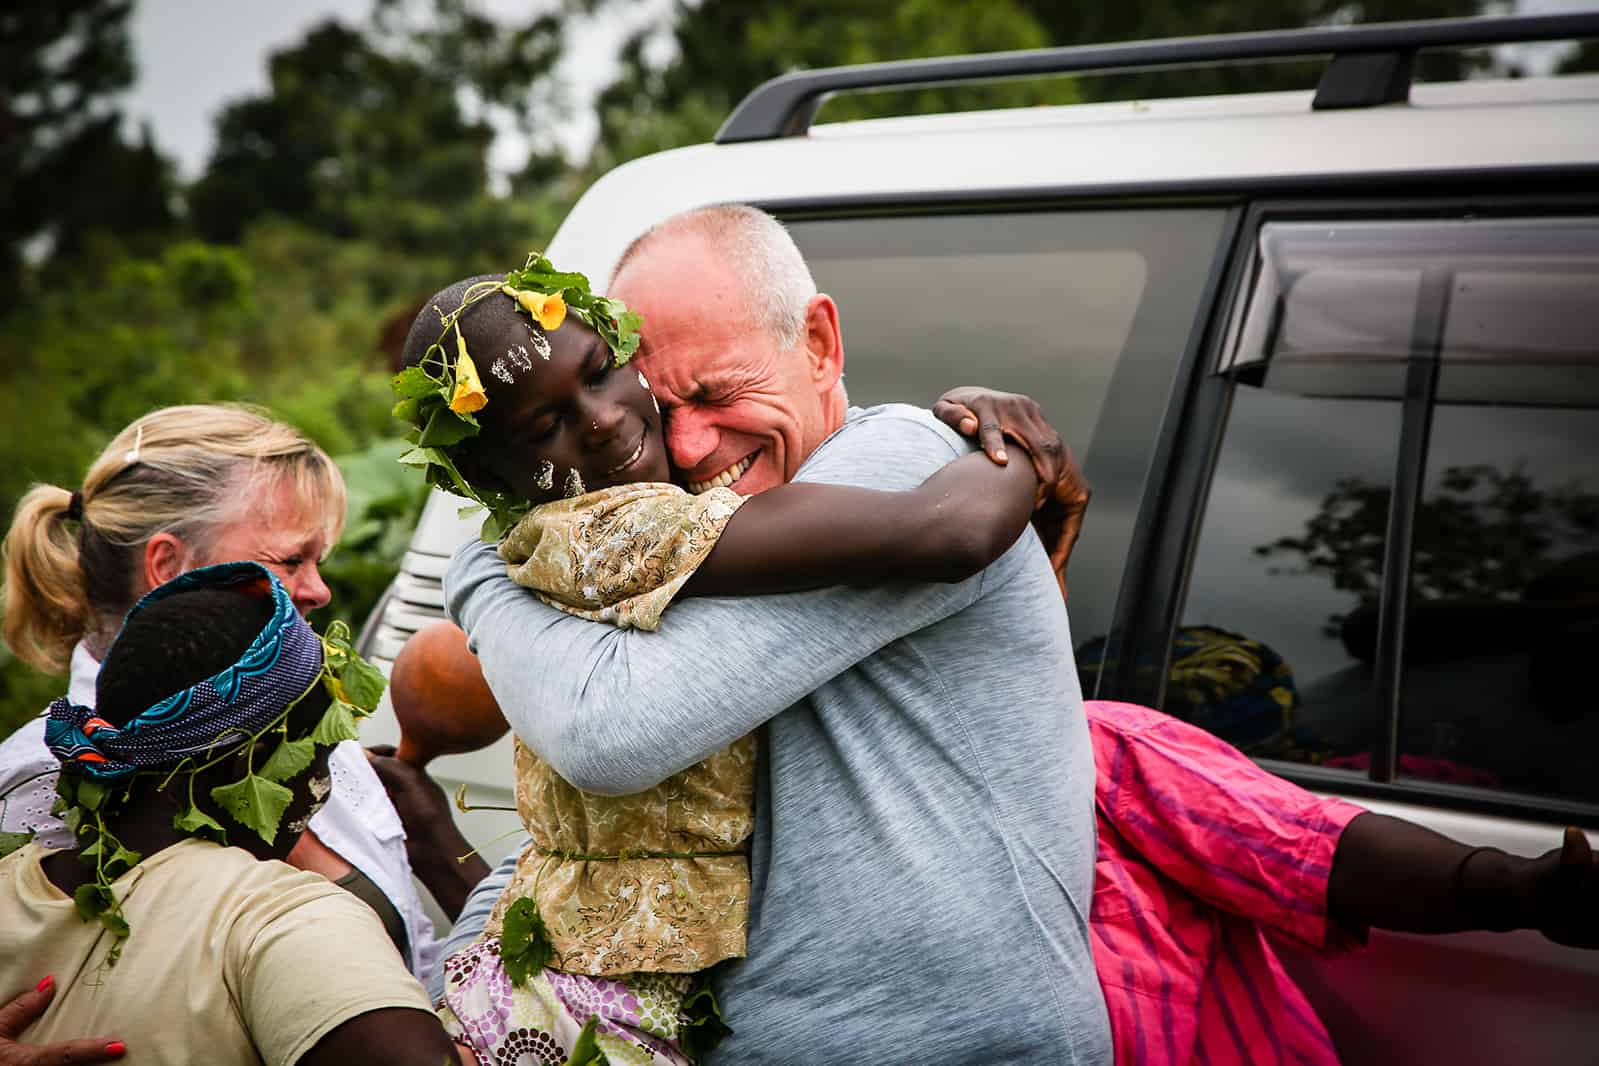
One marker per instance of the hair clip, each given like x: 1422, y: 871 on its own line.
x: 132, y: 455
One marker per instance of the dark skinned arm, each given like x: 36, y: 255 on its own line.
x: 440, y: 856
x: 1392, y: 874
x: 394, y: 1036
x: 804, y: 536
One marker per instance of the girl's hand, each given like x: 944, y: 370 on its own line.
x: 1063, y: 492
x: 991, y: 416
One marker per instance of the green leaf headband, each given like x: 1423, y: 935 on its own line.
x: 439, y: 397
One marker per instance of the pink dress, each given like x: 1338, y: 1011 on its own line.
x: 1201, y: 853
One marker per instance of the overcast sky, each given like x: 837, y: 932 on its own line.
x: 194, y: 56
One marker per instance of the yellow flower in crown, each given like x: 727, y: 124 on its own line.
x: 547, y: 309
x: 468, y: 395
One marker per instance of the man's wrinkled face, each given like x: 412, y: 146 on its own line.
x: 740, y: 410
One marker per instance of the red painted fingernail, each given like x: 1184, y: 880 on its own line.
x: 44, y: 986
x: 116, y: 1047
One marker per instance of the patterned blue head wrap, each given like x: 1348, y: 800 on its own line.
x: 218, y: 713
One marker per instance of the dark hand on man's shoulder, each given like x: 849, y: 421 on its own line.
x: 1064, y: 492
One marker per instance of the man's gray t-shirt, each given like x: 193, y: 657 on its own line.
x: 923, y: 852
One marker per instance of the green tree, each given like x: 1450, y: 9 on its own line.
x: 384, y: 134
x: 65, y: 170
x: 724, y: 48
x: 348, y: 136
x: 721, y: 49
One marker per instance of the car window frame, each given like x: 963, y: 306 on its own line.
x: 976, y: 201
x: 1176, y: 514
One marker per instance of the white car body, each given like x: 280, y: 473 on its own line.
x: 1513, y: 998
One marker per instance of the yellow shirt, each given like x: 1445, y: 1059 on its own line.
x: 231, y: 959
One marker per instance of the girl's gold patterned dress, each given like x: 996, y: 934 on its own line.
x: 636, y: 893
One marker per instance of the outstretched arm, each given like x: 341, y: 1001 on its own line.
x: 1393, y: 874
x: 805, y: 536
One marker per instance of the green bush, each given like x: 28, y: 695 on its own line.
x: 290, y: 319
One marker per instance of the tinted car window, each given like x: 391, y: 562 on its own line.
x: 1487, y: 326
x: 1088, y: 312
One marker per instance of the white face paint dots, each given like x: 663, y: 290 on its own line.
x: 573, y: 485
x: 544, y: 477
x: 500, y: 371
x: 541, y: 344
x: 644, y: 382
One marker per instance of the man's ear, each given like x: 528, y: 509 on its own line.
x: 824, y: 343
x: 165, y: 557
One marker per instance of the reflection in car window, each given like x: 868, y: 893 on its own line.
x: 1299, y: 479
x: 1489, y: 325
x: 1505, y: 576
x: 1087, y: 312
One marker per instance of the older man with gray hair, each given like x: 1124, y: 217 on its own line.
x: 923, y: 853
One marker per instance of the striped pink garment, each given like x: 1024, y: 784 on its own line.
x: 1200, y: 854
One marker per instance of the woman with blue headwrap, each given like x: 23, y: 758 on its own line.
x: 174, y: 922
x: 179, y: 488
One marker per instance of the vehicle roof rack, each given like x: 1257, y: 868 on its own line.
x: 1371, y: 65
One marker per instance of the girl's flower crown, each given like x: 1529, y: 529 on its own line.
x: 439, y: 397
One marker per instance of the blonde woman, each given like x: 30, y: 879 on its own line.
x: 180, y: 488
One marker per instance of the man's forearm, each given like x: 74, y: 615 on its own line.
x: 618, y: 711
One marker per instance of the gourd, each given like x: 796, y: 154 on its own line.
x: 443, y: 705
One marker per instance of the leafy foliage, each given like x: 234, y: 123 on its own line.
x: 65, y: 168
x: 525, y: 946
x: 196, y: 822
x: 10, y: 842
x: 586, y: 1048
x: 337, y: 725
x: 289, y: 759
x: 703, y: 1026
x: 255, y: 803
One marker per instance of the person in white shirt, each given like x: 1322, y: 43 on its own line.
x: 180, y: 488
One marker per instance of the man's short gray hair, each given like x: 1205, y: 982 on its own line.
x: 758, y: 249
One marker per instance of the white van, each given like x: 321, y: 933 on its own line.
x: 1331, y: 361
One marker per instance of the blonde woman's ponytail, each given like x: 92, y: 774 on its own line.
x: 44, y: 602
x: 189, y: 471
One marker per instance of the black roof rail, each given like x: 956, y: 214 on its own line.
x: 1371, y: 64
